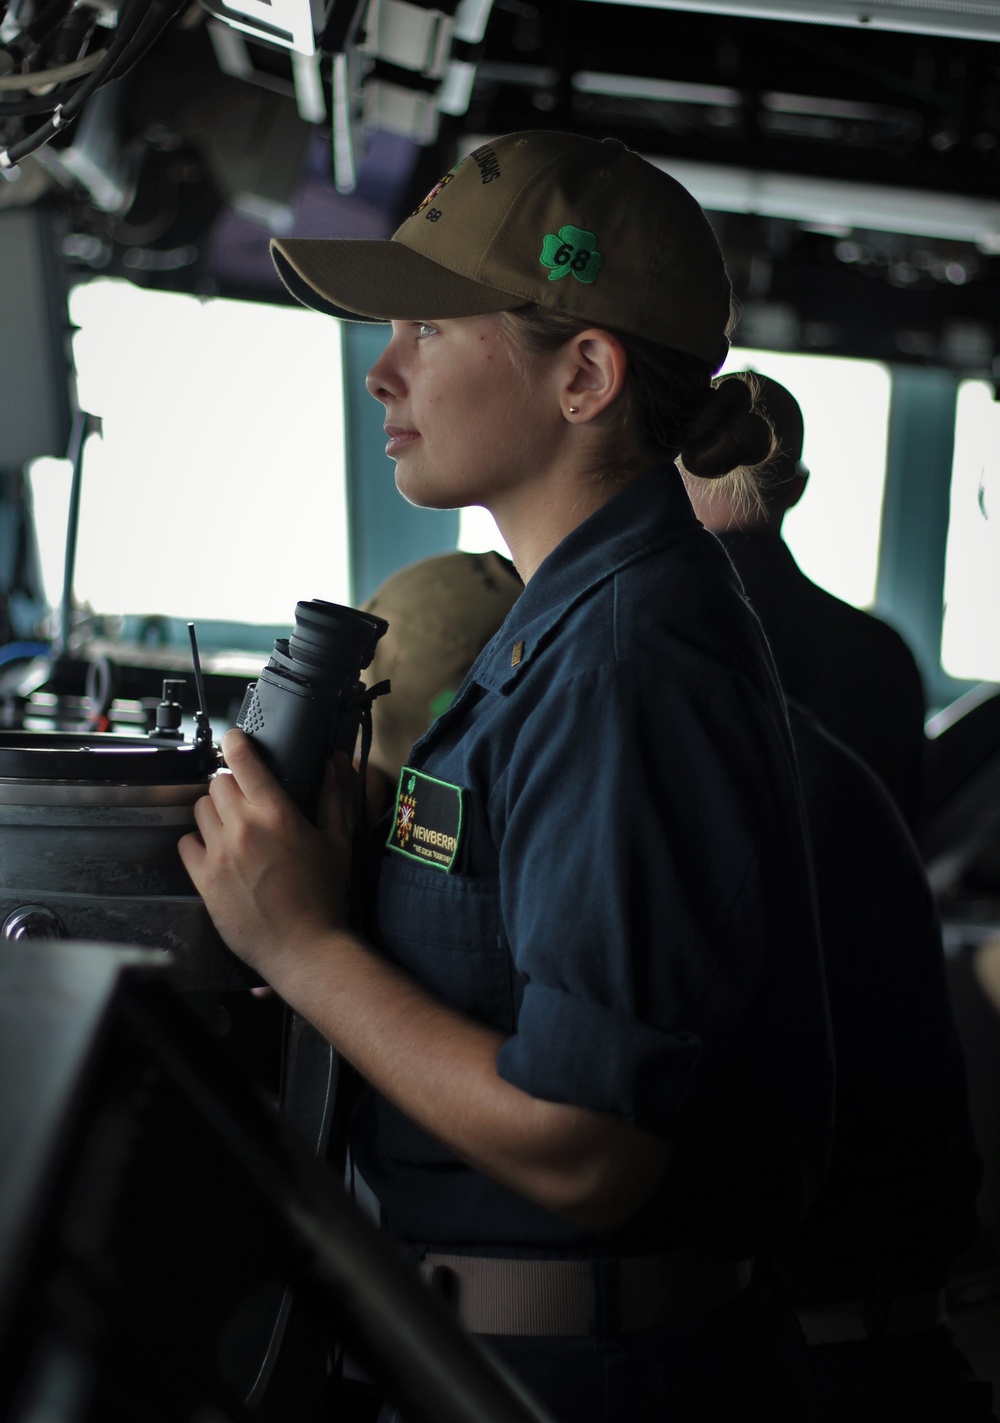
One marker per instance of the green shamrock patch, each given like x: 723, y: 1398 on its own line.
x: 571, y: 250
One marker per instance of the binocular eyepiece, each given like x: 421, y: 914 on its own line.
x: 307, y: 702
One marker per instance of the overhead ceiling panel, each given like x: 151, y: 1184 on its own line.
x: 970, y: 19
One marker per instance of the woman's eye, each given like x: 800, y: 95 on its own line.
x: 424, y: 328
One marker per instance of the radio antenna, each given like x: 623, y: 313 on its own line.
x: 204, y: 732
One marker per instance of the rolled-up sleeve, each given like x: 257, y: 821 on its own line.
x: 630, y: 894
x: 640, y: 1073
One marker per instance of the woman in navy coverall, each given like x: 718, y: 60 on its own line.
x: 587, y: 1007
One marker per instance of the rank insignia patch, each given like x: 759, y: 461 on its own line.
x: 406, y: 807
x: 427, y: 825
x: 441, y: 183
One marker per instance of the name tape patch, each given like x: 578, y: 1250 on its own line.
x: 427, y: 825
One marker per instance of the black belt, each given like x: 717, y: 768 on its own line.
x: 569, y: 1298
x: 878, y: 1317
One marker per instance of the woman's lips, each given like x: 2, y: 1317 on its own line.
x: 399, y: 439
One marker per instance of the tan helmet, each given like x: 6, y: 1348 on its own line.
x: 441, y: 612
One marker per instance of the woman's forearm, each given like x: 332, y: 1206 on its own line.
x: 439, y: 1068
x: 274, y: 886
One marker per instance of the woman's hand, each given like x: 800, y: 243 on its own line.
x: 268, y: 877
x: 275, y: 886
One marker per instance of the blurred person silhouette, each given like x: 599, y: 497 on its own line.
x: 847, y: 666
x: 987, y: 968
x: 869, y: 1266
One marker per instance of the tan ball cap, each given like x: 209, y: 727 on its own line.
x: 441, y: 612
x: 579, y: 226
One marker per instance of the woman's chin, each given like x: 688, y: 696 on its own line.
x: 424, y: 495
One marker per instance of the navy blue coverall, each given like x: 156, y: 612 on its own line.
x: 598, y: 850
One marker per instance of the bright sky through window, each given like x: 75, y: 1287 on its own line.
x: 834, y: 531
x: 217, y: 490
x: 970, y: 644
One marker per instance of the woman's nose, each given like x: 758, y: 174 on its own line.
x: 383, y: 380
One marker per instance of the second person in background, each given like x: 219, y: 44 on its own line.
x: 852, y: 670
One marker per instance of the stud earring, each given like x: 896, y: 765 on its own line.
x: 574, y: 409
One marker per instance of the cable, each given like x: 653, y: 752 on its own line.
x: 150, y: 29
x: 59, y: 75
x: 17, y: 108
x: 45, y: 23
x: 66, y: 112
x: 149, y: 32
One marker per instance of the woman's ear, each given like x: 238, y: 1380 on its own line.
x: 596, y: 366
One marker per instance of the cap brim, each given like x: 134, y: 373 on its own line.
x: 380, y: 280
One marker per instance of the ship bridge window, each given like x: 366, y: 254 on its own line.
x: 834, y: 530
x: 970, y: 643
x: 478, y: 532
x: 216, y: 492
